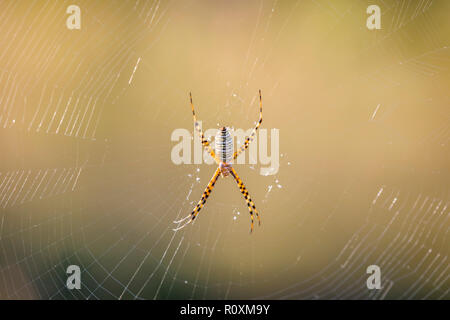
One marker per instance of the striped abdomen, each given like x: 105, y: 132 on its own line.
x: 224, y: 145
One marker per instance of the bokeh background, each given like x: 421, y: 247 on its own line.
x: 86, y: 176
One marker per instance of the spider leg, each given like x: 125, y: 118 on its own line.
x: 252, y: 135
x: 251, y: 206
x: 201, y: 203
x: 205, y: 142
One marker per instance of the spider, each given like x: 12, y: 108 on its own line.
x: 223, y: 156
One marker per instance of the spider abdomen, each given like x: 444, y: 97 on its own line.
x: 224, y: 145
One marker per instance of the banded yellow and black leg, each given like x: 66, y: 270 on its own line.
x: 205, y: 142
x: 250, y: 204
x: 202, y: 201
x: 253, y: 134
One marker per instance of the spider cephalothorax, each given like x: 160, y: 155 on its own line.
x: 225, y: 169
x: 224, y: 157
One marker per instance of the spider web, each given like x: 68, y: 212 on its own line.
x: 86, y: 177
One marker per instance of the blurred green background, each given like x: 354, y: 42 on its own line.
x: 86, y: 176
